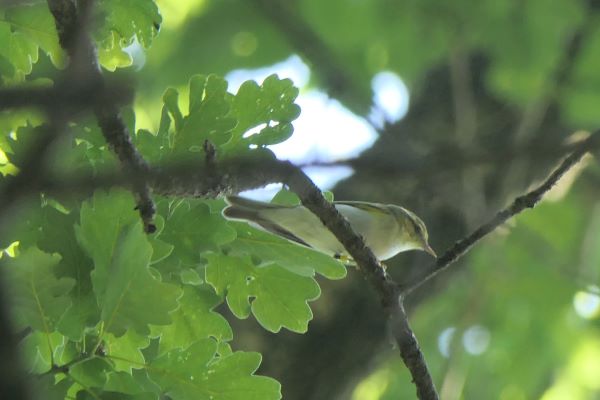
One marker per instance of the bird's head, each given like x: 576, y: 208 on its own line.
x: 414, y: 227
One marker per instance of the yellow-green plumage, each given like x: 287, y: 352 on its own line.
x: 387, y: 229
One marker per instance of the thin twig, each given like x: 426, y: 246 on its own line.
x: 411, y: 354
x: 528, y: 200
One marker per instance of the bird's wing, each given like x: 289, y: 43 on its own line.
x: 363, y: 205
x: 240, y: 208
x: 276, y: 229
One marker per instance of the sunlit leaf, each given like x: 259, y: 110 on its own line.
x: 194, y: 373
x: 278, y: 298
x: 192, y: 229
x: 270, y: 104
x: 129, y: 19
x: 194, y: 320
x: 129, y: 295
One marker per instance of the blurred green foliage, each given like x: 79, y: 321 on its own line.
x: 139, y: 316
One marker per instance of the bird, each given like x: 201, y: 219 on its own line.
x: 386, y: 228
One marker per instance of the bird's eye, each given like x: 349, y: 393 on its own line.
x: 420, y: 229
x: 416, y: 227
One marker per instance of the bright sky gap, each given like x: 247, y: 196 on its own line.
x: 326, y: 130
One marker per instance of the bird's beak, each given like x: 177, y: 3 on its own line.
x: 429, y: 250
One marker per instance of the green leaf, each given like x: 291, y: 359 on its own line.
x: 20, y: 52
x: 106, y: 395
x: 280, y: 298
x: 129, y: 19
x: 40, y: 350
x: 12, y: 121
x: 208, y: 117
x: 144, y: 382
x: 295, y: 258
x: 102, y: 219
x: 160, y: 249
x: 133, y: 296
x: 122, y: 382
x: 192, y: 228
x: 224, y: 119
x: 58, y: 236
x: 128, y: 346
x: 81, y: 315
x: 224, y: 349
x: 26, y: 226
x: 37, y: 24
x: 272, y: 104
x: 38, y: 297
x: 190, y: 277
x: 20, y: 145
x: 153, y: 147
x: 194, y: 320
x: 171, y: 101
x: 111, y: 55
x: 91, y: 372
x: 23, y: 31
x: 46, y: 386
x: 196, y: 374
x: 127, y: 292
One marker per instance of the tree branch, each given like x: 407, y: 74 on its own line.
x: 375, y: 274
x: 64, y: 99
x: 528, y: 200
x: 242, y: 174
x: 71, y: 24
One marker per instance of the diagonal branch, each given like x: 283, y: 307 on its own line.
x: 528, y: 200
x: 375, y: 274
x: 71, y: 23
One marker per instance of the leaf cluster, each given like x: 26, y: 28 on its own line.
x: 107, y: 311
